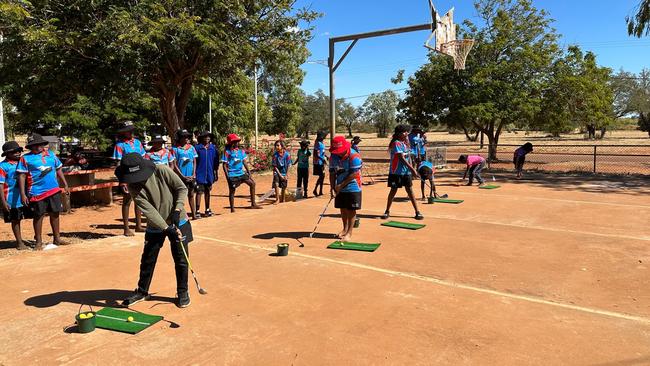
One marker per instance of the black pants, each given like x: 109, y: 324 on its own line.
x: 152, y: 243
x: 303, y: 178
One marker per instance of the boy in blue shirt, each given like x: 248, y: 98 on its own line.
x: 236, y: 170
x: 40, y: 168
x: 400, y: 169
x: 281, y: 164
x: 207, y: 170
x: 12, y: 207
x: 185, y: 165
x: 319, y: 163
x: 345, y: 183
x: 158, y: 153
x: 425, y: 169
x: 126, y: 144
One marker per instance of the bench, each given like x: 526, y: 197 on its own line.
x: 89, y: 194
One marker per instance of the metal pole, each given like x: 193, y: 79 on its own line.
x: 256, y: 122
x: 2, y: 115
x: 210, y: 109
x: 330, y: 65
x: 594, y: 159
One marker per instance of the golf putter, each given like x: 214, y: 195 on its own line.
x: 202, y: 291
x: 321, y: 217
x: 441, y: 196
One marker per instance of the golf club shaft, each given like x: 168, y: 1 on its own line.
x: 321, y: 216
x: 189, y: 264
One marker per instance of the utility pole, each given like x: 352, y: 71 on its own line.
x: 2, y: 115
x: 256, y: 121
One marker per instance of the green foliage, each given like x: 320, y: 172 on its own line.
x: 380, y: 110
x: 315, y: 114
x: 639, y: 24
x: 347, y: 115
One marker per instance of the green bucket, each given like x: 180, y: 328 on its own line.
x: 357, y: 222
x: 86, y: 324
x: 283, y: 249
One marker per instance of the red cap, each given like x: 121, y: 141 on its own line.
x: 339, y: 145
x: 232, y: 138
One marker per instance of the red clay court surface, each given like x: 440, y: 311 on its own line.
x: 551, y: 271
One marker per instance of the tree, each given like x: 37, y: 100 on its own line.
x: 57, y: 50
x: 315, y: 113
x: 347, y: 115
x: 381, y: 110
x: 639, y: 24
x: 640, y: 100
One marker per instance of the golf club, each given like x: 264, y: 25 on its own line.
x: 202, y: 291
x: 441, y: 196
x: 321, y: 217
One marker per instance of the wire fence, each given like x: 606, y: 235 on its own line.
x: 607, y: 159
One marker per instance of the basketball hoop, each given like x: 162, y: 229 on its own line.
x: 458, y: 49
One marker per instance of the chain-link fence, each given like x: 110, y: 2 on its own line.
x: 610, y: 159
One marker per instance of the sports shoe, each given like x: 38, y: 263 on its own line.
x: 385, y: 215
x: 418, y: 216
x: 208, y: 213
x: 135, y: 298
x: 183, y: 300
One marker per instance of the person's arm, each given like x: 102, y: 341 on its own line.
x: 154, y: 220
x: 408, y: 165
x: 21, y: 186
x: 347, y: 180
x: 215, y: 164
x: 466, y: 171
x: 332, y: 177
x: 3, y: 201
x: 177, y: 187
x: 61, y: 176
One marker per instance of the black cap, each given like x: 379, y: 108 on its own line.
x: 126, y: 126
x: 35, y: 140
x: 10, y: 146
x: 134, y: 168
x: 183, y: 133
x: 156, y: 138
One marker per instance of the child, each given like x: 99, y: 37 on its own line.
x: 127, y: 144
x: 422, y: 146
x: 425, y: 169
x: 319, y: 162
x: 281, y: 164
x: 475, y: 164
x: 400, y: 170
x: 185, y: 165
x: 12, y: 207
x: 207, y: 170
x: 236, y: 170
x: 355, y: 143
x: 41, y: 169
x: 414, y: 144
x: 158, y: 153
x: 345, y: 183
x: 519, y: 157
x: 160, y: 194
x: 303, y: 166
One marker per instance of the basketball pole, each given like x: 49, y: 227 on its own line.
x: 354, y: 38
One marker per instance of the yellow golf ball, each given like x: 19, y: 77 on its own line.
x: 89, y: 315
x: 82, y: 316
x: 129, y: 319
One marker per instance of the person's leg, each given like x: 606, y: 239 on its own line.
x: 15, y: 227
x: 409, y: 191
x: 344, y: 221
x: 321, y: 179
x: 199, y: 193
x: 432, y: 190
x: 350, y: 215
x: 180, y: 264
x: 138, y: 219
x: 471, y: 175
x: 126, y: 205
x: 477, y: 173
x: 152, y: 244
x: 299, y: 179
x: 251, y: 184
x: 38, y: 231
x: 207, y: 196
x: 282, y: 194
x: 231, y: 197
x: 54, y: 223
x: 305, y: 182
x: 277, y: 194
x: 389, y: 202
x: 190, y: 198
x: 422, y: 188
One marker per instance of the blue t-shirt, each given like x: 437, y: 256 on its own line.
x: 234, y: 160
x: 414, y: 142
x: 185, y: 156
x: 41, y: 174
x: 425, y: 163
x: 344, y: 167
x: 160, y: 157
x: 397, y: 167
x: 319, y: 153
x: 282, y: 162
x: 126, y: 147
x: 206, y: 163
x: 423, y: 146
x: 9, y: 178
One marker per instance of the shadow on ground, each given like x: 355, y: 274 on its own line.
x: 99, y: 298
x: 293, y: 235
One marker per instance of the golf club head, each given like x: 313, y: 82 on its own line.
x: 202, y: 291
x: 444, y: 195
x: 311, y: 235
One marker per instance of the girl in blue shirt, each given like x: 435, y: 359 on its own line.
x: 185, y: 165
x: 281, y: 164
x: 12, y: 207
x: 319, y: 162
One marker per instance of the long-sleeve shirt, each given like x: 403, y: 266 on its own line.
x: 162, y: 194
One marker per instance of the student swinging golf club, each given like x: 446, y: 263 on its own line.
x: 400, y: 169
x: 425, y: 169
x: 345, y: 183
x: 160, y: 194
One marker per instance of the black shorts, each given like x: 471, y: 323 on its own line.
x: 49, y: 204
x: 425, y: 173
x: 319, y: 170
x: 191, y: 185
x: 234, y: 182
x: 201, y: 188
x: 399, y: 181
x: 279, y: 183
x: 348, y: 200
x: 14, y: 214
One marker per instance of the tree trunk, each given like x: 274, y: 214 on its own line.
x: 167, y: 102
x: 350, y: 130
x: 603, y: 131
x: 591, y: 130
x: 482, y: 138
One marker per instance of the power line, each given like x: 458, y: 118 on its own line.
x: 367, y: 95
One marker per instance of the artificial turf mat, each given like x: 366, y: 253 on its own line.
x: 354, y: 246
x: 489, y: 186
x: 446, y: 200
x: 403, y: 225
x: 116, y: 319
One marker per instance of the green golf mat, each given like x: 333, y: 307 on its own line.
x: 115, y: 319
x: 489, y: 186
x: 354, y: 246
x: 447, y: 200
x: 403, y: 225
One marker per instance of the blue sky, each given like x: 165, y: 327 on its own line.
x: 595, y: 25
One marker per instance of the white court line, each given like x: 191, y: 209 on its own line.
x: 557, y: 200
x: 445, y: 283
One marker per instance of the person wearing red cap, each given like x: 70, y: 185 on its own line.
x: 345, y: 183
x: 236, y: 170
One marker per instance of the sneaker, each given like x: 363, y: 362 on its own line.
x: 418, y: 216
x: 183, y: 299
x: 197, y: 216
x: 208, y: 212
x: 385, y: 215
x: 135, y: 298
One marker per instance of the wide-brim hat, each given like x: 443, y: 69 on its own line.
x: 126, y: 126
x: 206, y: 133
x: 35, y: 140
x: 10, y: 146
x: 232, y: 138
x: 183, y: 133
x: 134, y: 168
x: 155, y: 139
x: 304, y: 143
x: 356, y: 138
x: 339, y: 145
